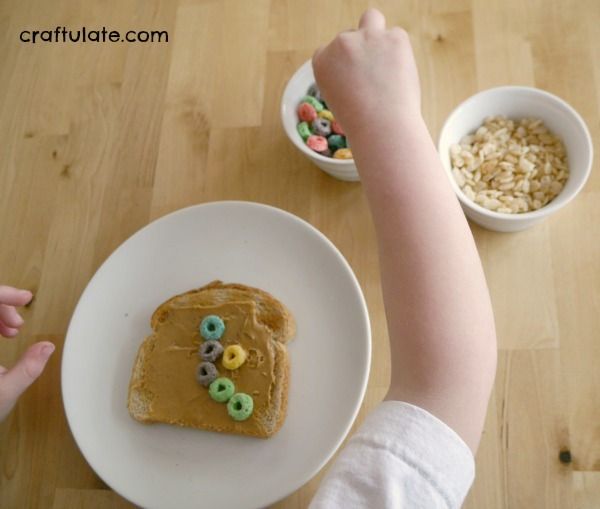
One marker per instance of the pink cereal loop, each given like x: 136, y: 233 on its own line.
x: 317, y: 143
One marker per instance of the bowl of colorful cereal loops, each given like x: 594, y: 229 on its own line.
x: 313, y: 128
x: 514, y: 156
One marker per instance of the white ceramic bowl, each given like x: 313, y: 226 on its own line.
x: 518, y: 102
x: 343, y: 169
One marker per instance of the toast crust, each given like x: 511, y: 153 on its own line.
x: 271, y: 311
x: 266, y: 321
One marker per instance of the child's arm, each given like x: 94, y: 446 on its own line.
x: 438, y: 309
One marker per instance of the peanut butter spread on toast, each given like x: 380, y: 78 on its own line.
x: 169, y: 379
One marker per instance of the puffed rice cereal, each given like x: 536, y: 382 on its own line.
x: 510, y: 166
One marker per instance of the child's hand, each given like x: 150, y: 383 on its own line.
x: 15, y: 380
x: 369, y: 75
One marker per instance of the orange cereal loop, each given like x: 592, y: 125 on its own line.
x: 337, y: 128
x: 306, y: 112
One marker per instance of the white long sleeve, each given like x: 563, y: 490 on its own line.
x: 401, y: 457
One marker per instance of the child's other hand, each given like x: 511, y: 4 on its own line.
x: 15, y: 380
x: 369, y: 75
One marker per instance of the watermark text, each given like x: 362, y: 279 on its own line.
x: 84, y: 34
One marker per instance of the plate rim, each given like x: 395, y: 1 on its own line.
x: 218, y: 203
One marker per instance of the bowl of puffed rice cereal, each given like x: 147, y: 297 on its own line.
x: 515, y: 155
x: 313, y: 129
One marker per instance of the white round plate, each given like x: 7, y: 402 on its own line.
x: 162, y: 466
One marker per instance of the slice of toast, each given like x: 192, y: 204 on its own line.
x: 163, y: 386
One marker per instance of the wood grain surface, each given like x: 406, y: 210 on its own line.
x: 98, y: 139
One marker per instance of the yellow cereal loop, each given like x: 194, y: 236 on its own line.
x: 326, y: 114
x: 233, y: 357
x: 342, y: 153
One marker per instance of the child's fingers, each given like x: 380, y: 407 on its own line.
x: 10, y: 317
x: 7, y: 332
x: 372, y: 19
x: 14, y: 381
x: 14, y: 296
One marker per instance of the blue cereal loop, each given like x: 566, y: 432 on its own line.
x: 212, y: 328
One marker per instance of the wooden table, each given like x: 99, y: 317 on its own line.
x: 99, y: 139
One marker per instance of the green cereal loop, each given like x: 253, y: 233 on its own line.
x: 317, y: 105
x: 240, y: 406
x: 336, y: 141
x: 304, y: 130
x: 212, y: 328
x: 221, y: 389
